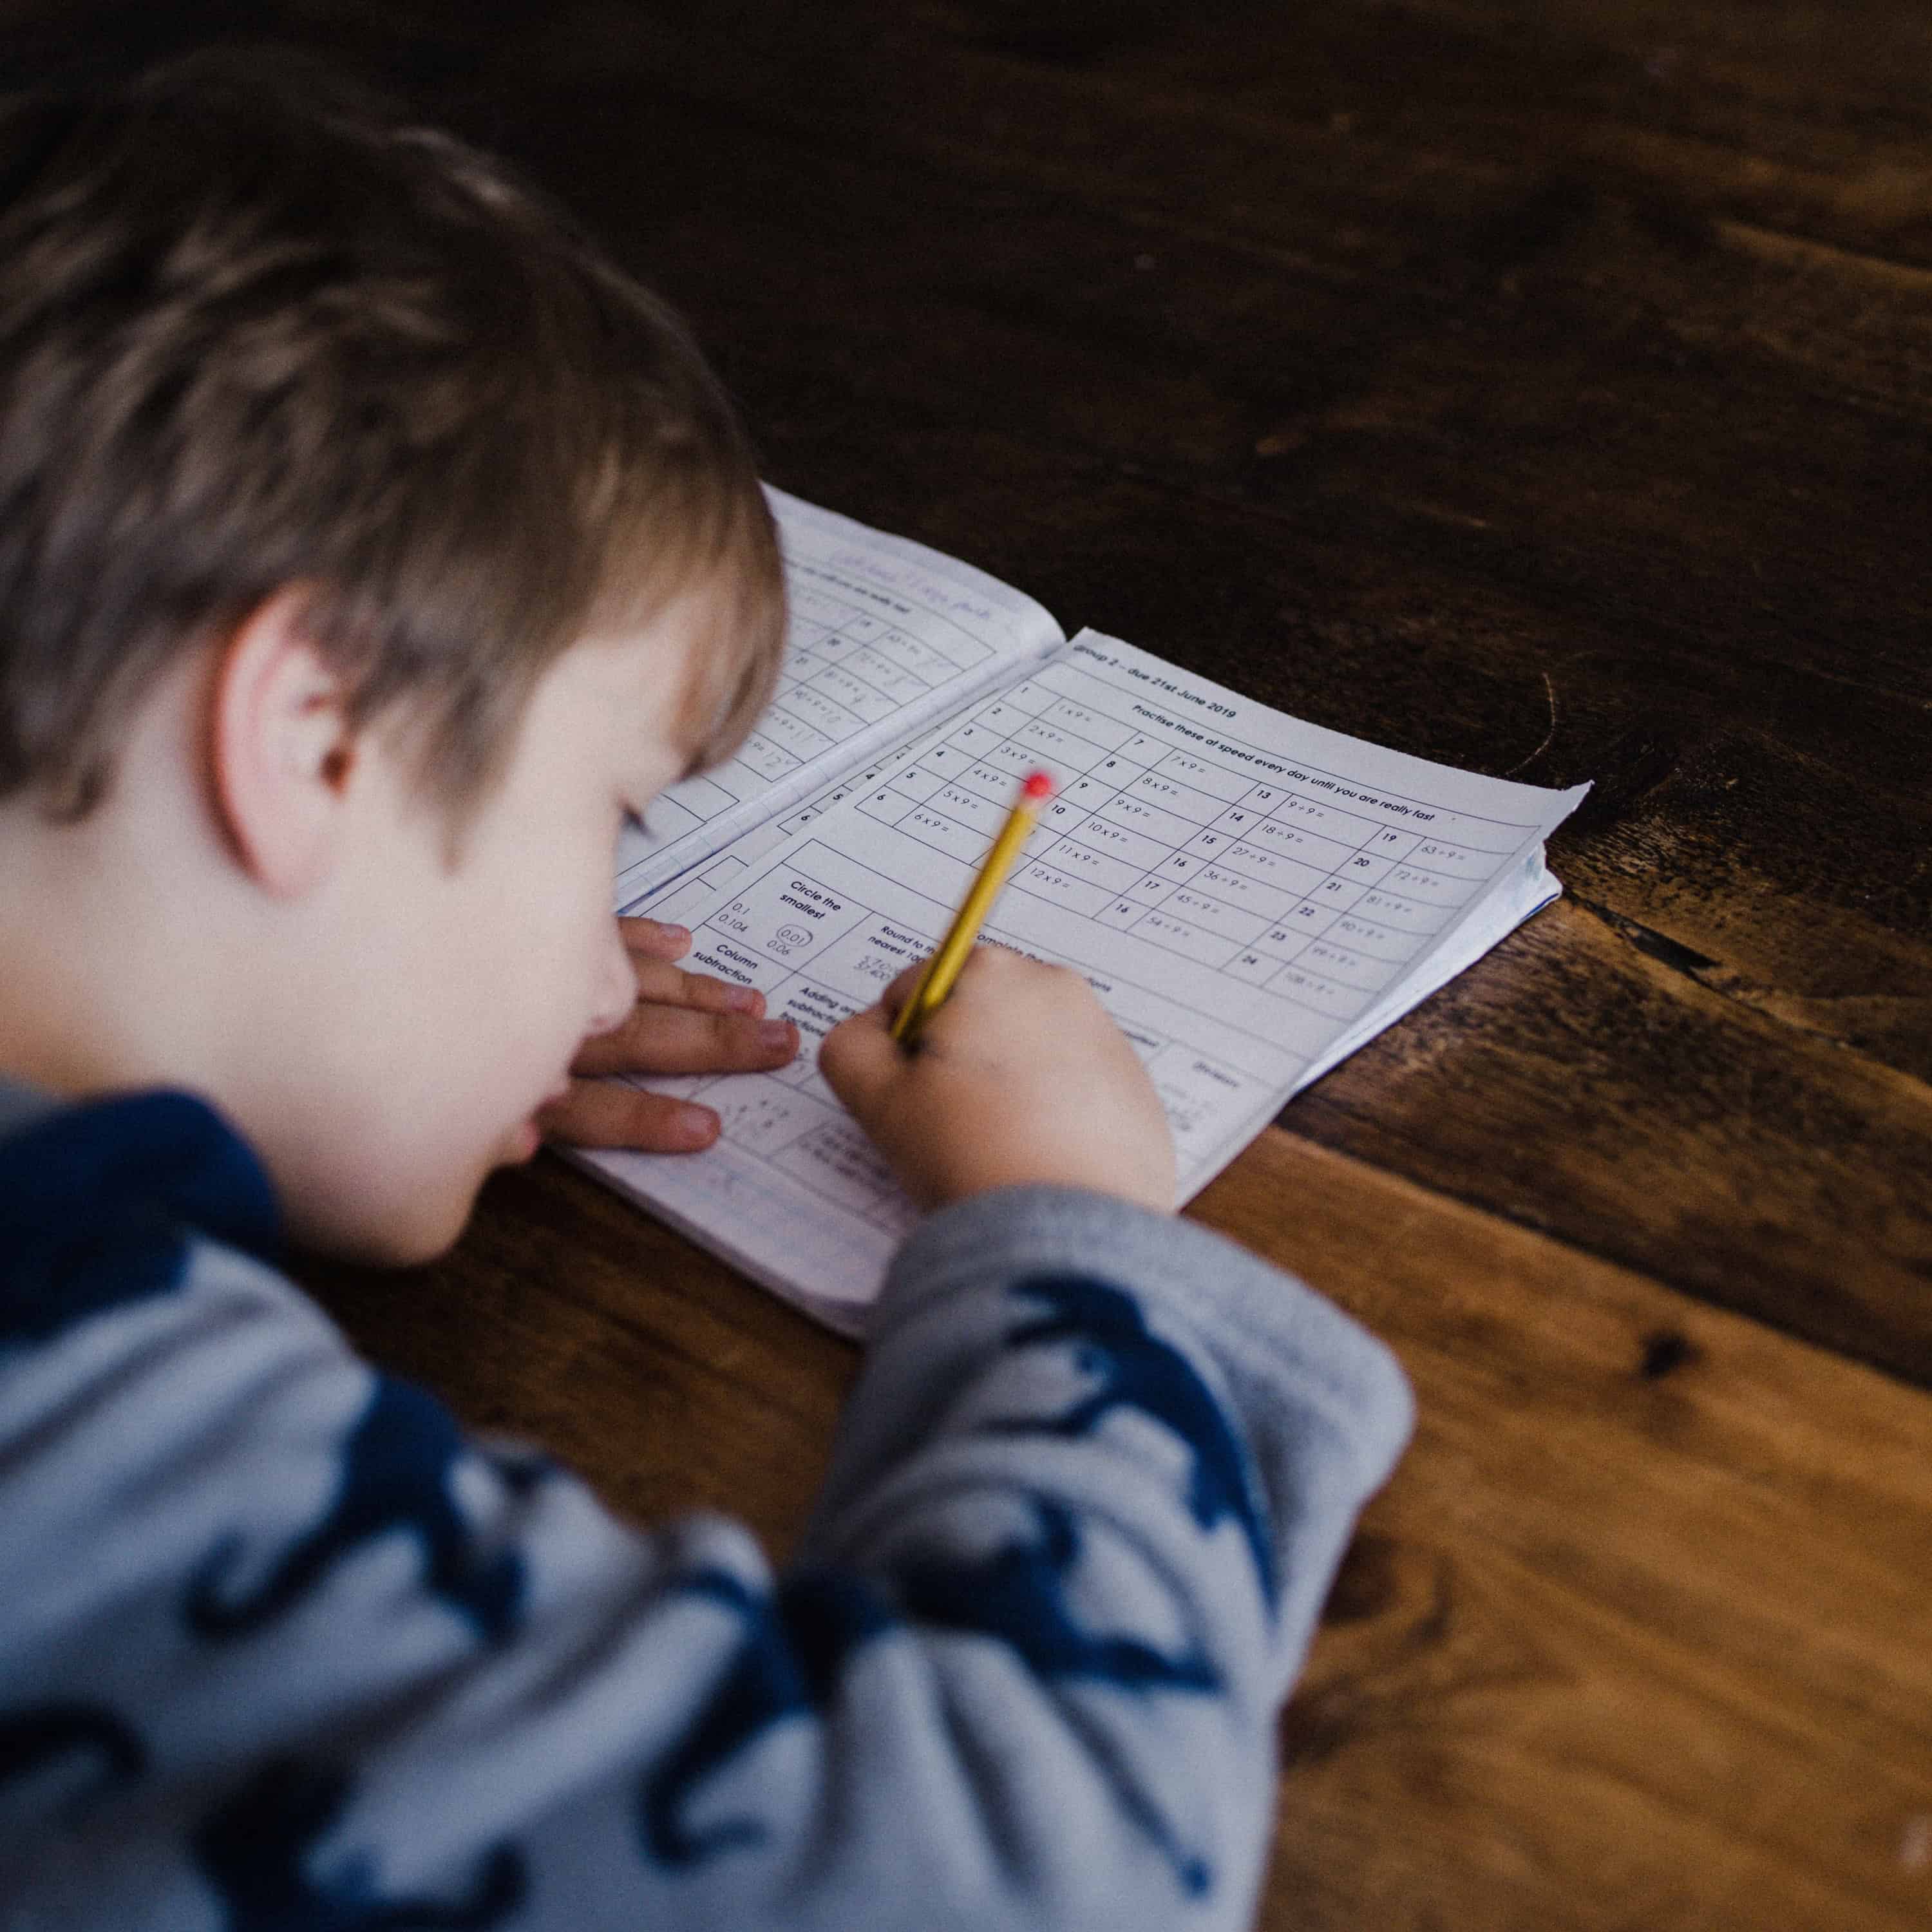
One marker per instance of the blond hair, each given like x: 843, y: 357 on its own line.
x: 256, y: 332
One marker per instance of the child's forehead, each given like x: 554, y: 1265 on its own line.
x: 727, y: 637
x: 701, y: 643
x: 662, y: 669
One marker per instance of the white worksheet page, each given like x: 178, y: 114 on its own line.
x: 883, y: 634
x: 1244, y: 891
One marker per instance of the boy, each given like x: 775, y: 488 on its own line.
x: 369, y: 548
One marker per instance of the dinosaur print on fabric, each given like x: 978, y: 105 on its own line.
x: 1136, y: 1370
x: 255, y: 1849
x: 798, y: 1641
x: 1018, y: 1593
x: 396, y: 1467
x: 49, y: 1737
x: 795, y: 1645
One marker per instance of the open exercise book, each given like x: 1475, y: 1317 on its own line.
x: 1253, y: 897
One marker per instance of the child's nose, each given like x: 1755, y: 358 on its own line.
x: 615, y: 989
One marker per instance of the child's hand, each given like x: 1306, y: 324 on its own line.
x: 682, y: 1023
x: 1021, y: 1076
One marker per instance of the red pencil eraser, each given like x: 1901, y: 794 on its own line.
x: 1038, y: 784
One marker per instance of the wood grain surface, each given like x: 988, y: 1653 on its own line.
x: 1544, y: 389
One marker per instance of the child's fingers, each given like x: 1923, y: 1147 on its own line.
x: 860, y: 1058
x: 661, y: 984
x: 900, y: 990
x: 667, y: 984
x: 985, y: 969
x: 651, y: 939
x: 656, y: 1038
x: 606, y: 1113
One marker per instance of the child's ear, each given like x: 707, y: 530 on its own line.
x: 281, y: 748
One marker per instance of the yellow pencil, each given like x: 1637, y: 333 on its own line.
x: 943, y: 967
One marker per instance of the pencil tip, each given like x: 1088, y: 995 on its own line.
x: 1038, y: 784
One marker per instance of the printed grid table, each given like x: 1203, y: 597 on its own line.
x: 1272, y: 884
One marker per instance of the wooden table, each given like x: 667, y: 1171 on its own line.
x: 1543, y: 389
